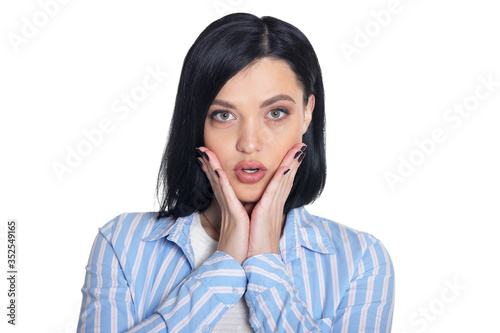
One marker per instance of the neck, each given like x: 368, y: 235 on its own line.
x: 214, y: 214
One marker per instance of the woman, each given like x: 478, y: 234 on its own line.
x: 232, y: 246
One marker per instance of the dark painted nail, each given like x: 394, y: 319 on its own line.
x: 303, y: 148
x: 217, y: 173
x: 301, y: 157
x: 297, y: 154
x: 203, y: 154
x: 199, y: 163
x: 286, y: 172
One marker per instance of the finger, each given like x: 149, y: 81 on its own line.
x: 219, y: 179
x: 211, y: 161
x: 207, y: 169
x: 292, y: 160
x: 209, y: 166
x: 299, y: 155
x: 293, y: 156
x: 282, y: 181
x: 227, y: 191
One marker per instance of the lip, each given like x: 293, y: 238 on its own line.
x: 250, y: 178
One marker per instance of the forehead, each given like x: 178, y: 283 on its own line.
x: 264, y: 78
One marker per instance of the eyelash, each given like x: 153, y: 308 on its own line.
x: 214, y: 114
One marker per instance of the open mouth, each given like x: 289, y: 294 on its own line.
x: 250, y: 170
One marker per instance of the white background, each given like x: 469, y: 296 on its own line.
x: 439, y: 225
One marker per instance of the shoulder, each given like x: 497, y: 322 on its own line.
x: 130, y: 227
x: 351, y: 243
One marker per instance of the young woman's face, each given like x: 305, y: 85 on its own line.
x: 258, y: 116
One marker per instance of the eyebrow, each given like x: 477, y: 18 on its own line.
x: 270, y: 101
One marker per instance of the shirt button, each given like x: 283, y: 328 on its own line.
x: 206, y: 328
x: 235, y: 291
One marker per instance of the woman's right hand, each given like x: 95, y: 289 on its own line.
x: 235, y: 221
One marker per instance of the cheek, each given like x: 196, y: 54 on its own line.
x: 210, y: 137
x: 221, y: 143
x: 286, y: 136
x: 280, y: 143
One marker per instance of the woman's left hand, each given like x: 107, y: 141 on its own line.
x: 267, y: 219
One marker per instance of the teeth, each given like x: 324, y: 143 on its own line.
x: 250, y: 170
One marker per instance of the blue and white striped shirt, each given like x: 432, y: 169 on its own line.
x: 327, y: 278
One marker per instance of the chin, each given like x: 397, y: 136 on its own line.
x: 246, y: 195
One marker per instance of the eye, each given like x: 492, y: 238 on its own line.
x: 277, y: 114
x: 222, y: 115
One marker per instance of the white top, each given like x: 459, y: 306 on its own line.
x: 236, y: 318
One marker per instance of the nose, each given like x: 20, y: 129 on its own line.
x: 249, y: 137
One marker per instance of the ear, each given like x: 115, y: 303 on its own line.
x: 308, y: 110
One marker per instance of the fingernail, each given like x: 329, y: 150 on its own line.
x: 217, y: 173
x: 303, y: 148
x: 297, y: 154
x: 301, y: 157
x: 203, y: 154
x: 199, y: 163
x: 284, y: 173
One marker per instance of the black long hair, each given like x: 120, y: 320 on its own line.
x: 223, y: 49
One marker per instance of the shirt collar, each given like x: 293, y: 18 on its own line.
x: 304, y: 230
x: 301, y: 230
x: 177, y: 231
